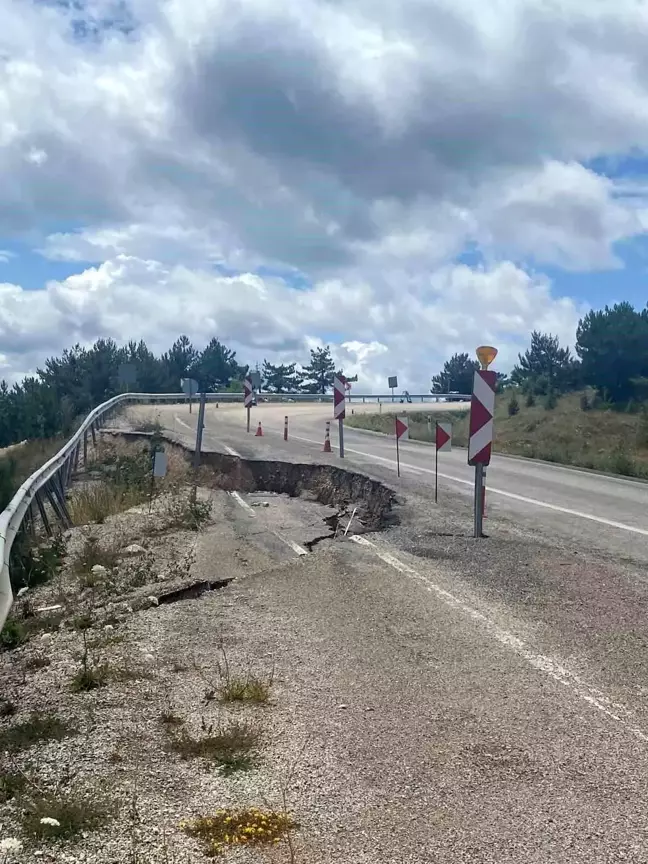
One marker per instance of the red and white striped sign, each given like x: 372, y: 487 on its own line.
x: 339, y: 400
x: 248, y: 392
x: 402, y: 428
x: 482, y: 409
x: 443, y: 437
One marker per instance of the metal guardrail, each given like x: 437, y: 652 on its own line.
x: 50, y: 482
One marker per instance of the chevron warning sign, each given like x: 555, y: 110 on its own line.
x: 482, y: 409
x: 339, y: 397
x: 248, y: 394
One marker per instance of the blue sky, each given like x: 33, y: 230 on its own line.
x: 332, y: 173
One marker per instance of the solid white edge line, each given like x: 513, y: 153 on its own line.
x: 182, y: 423
x: 299, y: 550
x: 541, y: 662
x: 232, y: 451
x: 494, y: 490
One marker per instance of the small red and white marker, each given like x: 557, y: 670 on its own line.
x: 443, y: 443
x: 443, y: 437
x: 401, y: 425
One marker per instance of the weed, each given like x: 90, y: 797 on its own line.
x: 178, y: 667
x: 513, y: 406
x: 140, y: 571
x: 56, y: 815
x: 92, y: 674
x: 235, y: 827
x: 83, y: 621
x: 37, y: 662
x: 229, y: 747
x: 148, y: 424
x: 90, y: 678
x: 530, y: 399
x: 12, y: 784
x: 7, y: 708
x: 169, y: 718
x: 13, y: 634
x: 39, y: 727
x: 94, y: 553
x: 250, y: 688
x: 31, y: 564
x: 188, y: 511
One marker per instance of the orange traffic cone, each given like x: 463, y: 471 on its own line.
x: 327, y: 438
x: 259, y: 432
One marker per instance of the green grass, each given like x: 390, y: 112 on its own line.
x: 75, y: 814
x: 614, y: 442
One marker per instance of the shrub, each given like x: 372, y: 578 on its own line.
x: 551, y: 400
x: 530, y: 399
x: 513, y: 406
x: 584, y: 402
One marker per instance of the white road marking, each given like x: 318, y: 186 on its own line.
x: 232, y: 451
x: 294, y: 546
x: 182, y: 423
x: 242, y: 502
x: 543, y: 663
x: 417, y: 469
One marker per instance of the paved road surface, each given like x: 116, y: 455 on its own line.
x: 495, y: 691
x: 593, y: 510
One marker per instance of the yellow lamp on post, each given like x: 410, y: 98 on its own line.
x: 486, y: 354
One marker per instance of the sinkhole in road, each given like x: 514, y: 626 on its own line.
x: 371, y: 503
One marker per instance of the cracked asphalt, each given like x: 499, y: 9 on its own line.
x: 477, y: 701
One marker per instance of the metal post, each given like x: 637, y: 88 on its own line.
x: 57, y: 502
x: 43, y: 514
x: 85, y: 449
x: 397, y: 448
x: 479, y: 499
x: 392, y: 389
x: 436, y: 462
x: 199, y: 429
x: 341, y: 436
x: 248, y: 418
x: 94, y: 435
x: 285, y: 428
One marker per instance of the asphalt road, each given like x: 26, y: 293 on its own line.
x: 595, y: 511
x: 473, y: 700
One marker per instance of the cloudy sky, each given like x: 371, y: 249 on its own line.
x: 400, y: 180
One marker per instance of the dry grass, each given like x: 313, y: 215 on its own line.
x: 95, y: 502
x: 603, y: 440
x: 63, y: 815
x: 231, y: 746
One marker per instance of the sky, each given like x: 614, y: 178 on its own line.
x: 398, y: 180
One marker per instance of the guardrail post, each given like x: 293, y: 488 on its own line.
x: 57, y: 504
x: 94, y: 435
x: 43, y: 514
x: 85, y: 449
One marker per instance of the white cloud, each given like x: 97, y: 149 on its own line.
x: 361, y: 145
x: 134, y: 298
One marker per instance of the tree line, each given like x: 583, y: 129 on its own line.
x: 611, y: 356
x: 54, y: 400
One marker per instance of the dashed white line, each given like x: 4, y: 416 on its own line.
x: 232, y: 451
x: 417, y: 469
x: 182, y: 423
x: 541, y: 662
x: 242, y: 502
x: 299, y: 550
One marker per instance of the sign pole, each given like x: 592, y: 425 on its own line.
x: 339, y: 402
x: 436, y: 462
x: 479, y: 494
x: 397, y: 448
x: 199, y: 429
x: 248, y: 396
x: 248, y: 418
